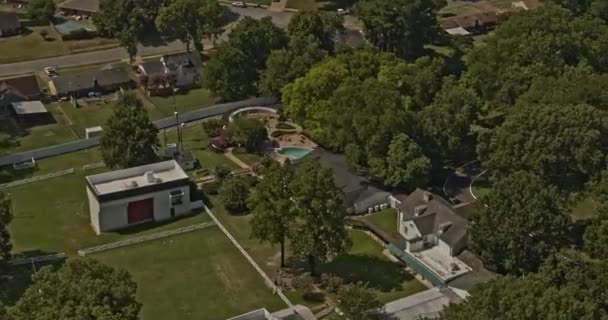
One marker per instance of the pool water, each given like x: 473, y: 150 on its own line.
x: 294, y: 152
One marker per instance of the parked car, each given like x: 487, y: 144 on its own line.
x: 239, y: 4
x: 50, y: 71
x: 342, y: 12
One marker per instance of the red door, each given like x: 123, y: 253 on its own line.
x: 141, y: 210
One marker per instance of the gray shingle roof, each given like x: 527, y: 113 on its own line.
x: 87, y: 80
x: 25, y: 85
x: 153, y: 67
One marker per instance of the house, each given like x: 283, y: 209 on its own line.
x: 31, y: 113
x: 98, y: 81
x: 9, y: 24
x: 427, y: 304
x: 359, y: 194
x: 471, y: 23
x: 22, y: 88
x: 182, y: 66
x: 427, y: 220
x: 153, y: 192
x: 79, y: 7
x: 297, y: 312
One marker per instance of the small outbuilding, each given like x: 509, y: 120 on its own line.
x: 9, y: 24
x: 128, y: 197
x: 31, y: 113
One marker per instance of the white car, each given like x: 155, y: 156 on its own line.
x: 342, y: 12
x: 50, y: 71
x: 239, y: 4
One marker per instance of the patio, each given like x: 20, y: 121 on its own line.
x: 446, y: 267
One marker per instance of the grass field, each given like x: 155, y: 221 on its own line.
x: 86, y: 117
x: 248, y: 158
x: 199, y: 275
x: 193, y: 99
x: 386, y: 220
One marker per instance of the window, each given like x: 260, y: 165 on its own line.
x: 176, y: 197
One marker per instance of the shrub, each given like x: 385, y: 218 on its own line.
x: 213, y: 127
x: 212, y: 188
x: 234, y: 193
x: 331, y: 283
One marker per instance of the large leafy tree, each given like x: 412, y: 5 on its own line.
x: 519, y: 225
x: 6, y: 216
x: 537, y: 43
x: 447, y: 123
x: 234, y: 193
x: 321, y: 25
x: 563, y: 144
x: 129, y: 138
x: 283, y: 66
x: 271, y: 206
x: 229, y: 75
x: 569, y: 286
x: 81, y: 289
x: 41, y: 10
x: 400, y: 26
x: 358, y: 301
x: 249, y: 133
x: 405, y: 165
x: 319, y: 231
x: 596, y: 234
x: 256, y: 39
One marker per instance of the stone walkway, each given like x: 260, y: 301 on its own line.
x: 228, y: 154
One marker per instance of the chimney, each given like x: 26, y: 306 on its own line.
x: 427, y: 196
x: 150, y: 177
x: 418, y: 210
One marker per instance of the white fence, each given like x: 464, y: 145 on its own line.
x: 36, y: 178
x: 92, y: 166
x: 154, y: 236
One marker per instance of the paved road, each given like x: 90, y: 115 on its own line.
x: 281, y: 19
x: 195, y: 115
x: 457, y: 185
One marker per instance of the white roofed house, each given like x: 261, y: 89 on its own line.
x: 123, y: 198
x: 182, y: 67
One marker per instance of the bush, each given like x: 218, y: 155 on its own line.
x: 303, y: 282
x: 212, y: 188
x: 213, y: 127
x: 331, y: 283
x: 234, y: 193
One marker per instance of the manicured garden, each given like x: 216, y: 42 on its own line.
x: 199, y: 275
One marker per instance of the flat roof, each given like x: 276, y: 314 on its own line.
x: 136, y: 178
x: 29, y: 107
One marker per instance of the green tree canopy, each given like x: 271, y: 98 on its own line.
x: 129, y: 138
x: 6, y: 216
x: 565, y: 145
x: 596, y: 234
x: 358, y: 301
x: 249, y: 133
x: 400, y: 26
x: 321, y: 25
x: 41, y: 10
x: 256, y: 39
x: 229, y: 75
x: 319, y: 231
x: 536, y: 43
x: 568, y: 286
x: 81, y: 289
x: 233, y: 194
x: 447, y: 123
x: 519, y: 225
x: 271, y: 206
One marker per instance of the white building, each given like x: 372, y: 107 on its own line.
x: 132, y: 196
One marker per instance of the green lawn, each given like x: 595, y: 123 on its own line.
x: 38, y: 136
x: 193, y: 99
x: 365, y: 262
x: 386, y: 220
x: 86, y: 117
x: 199, y: 275
x: 248, y: 158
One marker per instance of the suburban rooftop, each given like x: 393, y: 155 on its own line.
x: 136, y: 177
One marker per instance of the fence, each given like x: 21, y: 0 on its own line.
x: 36, y: 178
x: 37, y: 259
x: 93, y: 166
x: 154, y: 236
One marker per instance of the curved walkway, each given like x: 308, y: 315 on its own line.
x: 457, y: 186
x: 259, y: 108
x: 199, y: 114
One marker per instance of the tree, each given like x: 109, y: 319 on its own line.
x: 596, y: 234
x: 215, y: 16
x: 249, y: 133
x: 563, y: 144
x: 400, y: 26
x: 256, y: 39
x: 319, y: 230
x: 271, y: 206
x: 41, y: 10
x: 321, y: 25
x: 233, y: 194
x: 568, y: 286
x: 6, y: 216
x: 129, y: 138
x: 406, y: 166
x: 447, y: 123
x: 537, y: 43
x: 81, y: 288
x: 229, y: 75
x: 519, y: 225
x: 283, y: 66
x: 221, y: 172
x: 358, y: 301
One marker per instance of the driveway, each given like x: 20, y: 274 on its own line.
x: 457, y: 186
x: 281, y: 19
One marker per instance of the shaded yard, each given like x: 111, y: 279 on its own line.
x: 248, y: 158
x: 199, y: 275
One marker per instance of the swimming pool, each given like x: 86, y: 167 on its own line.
x: 70, y: 26
x: 295, y: 153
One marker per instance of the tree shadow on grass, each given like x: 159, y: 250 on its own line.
x: 380, y: 274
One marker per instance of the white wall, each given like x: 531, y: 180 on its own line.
x: 444, y: 248
x: 93, y: 210
x: 112, y: 215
